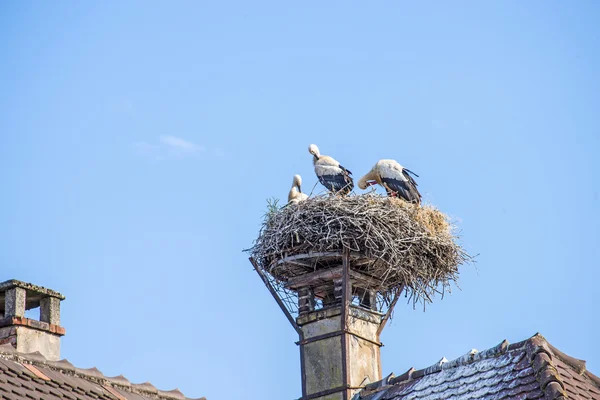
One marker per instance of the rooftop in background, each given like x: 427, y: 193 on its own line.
x: 32, y: 376
x: 30, y: 353
x: 530, y: 369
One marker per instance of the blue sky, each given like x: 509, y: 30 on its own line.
x: 139, y: 142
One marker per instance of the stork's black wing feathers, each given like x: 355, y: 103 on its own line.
x: 409, y: 171
x: 405, y: 189
x: 341, y: 183
x: 345, y: 170
x: 410, y: 178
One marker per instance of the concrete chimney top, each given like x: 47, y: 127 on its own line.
x: 25, y: 334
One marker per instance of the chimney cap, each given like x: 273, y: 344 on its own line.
x: 34, y: 295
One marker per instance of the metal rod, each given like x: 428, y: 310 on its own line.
x: 334, y: 334
x: 319, y: 337
x: 376, y: 343
x: 389, y: 311
x: 344, y: 322
x: 275, y: 296
x: 302, y: 366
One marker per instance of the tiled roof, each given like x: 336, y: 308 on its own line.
x: 532, y: 369
x: 31, y: 376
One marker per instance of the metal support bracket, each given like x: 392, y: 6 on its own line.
x: 274, y: 294
x: 389, y: 310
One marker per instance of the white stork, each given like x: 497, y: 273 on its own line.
x: 296, y: 196
x: 330, y: 173
x: 396, y: 180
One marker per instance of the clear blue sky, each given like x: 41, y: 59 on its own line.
x: 139, y: 141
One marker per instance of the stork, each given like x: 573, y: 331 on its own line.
x: 396, y: 180
x: 331, y: 174
x: 296, y: 196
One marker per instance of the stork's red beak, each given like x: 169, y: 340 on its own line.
x: 371, y: 183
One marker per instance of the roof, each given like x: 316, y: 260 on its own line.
x: 31, y: 376
x: 532, y: 369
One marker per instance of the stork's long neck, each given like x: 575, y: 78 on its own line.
x: 315, y: 159
x: 370, y: 176
x: 293, y: 193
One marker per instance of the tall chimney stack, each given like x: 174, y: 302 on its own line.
x: 338, y: 323
x: 25, y: 334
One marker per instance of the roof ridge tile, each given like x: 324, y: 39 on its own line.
x: 145, y: 387
x: 7, y: 349
x: 537, y: 344
x: 380, y: 383
x: 404, y: 377
x: 577, y: 364
x: 174, y: 394
x: 495, y: 351
x: 540, y: 362
x: 540, y: 356
x: 63, y: 365
x: 90, y: 372
x: 594, y: 378
x: 119, y: 380
x: 517, y: 345
x: 437, y: 367
x: 34, y: 356
x: 462, y: 360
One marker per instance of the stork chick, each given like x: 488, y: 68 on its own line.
x: 331, y: 174
x: 296, y: 196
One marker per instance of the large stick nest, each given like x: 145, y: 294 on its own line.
x: 399, y: 245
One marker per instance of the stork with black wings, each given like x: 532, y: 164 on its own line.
x: 331, y: 174
x: 396, y: 180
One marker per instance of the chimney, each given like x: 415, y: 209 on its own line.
x: 338, y: 323
x: 339, y: 349
x: 25, y: 334
x: 337, y: 264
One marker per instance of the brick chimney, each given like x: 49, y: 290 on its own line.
x: 25, y: 334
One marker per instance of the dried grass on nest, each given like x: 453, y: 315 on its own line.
x: 409, y: 245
